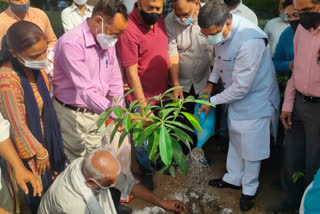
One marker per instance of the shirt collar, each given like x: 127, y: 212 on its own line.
x: 74, y: 7
x: 88, y: 37
x: 135, y: 16
x: 13, y: 15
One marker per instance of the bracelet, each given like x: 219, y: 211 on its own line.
x: 43, y: 157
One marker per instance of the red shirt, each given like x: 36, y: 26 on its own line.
x: 148, y: 48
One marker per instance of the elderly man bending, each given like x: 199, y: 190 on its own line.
x: 83, y: 188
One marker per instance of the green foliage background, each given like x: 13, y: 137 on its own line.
x: 265, y: 10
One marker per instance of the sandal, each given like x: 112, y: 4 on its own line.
x: 219, y: 183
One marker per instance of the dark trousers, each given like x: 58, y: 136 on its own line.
x: 302, y: 148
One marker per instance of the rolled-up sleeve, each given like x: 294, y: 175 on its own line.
x: 246, y: 66
x: 74, y: 60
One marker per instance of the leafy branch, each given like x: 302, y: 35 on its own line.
x: 163, y: 132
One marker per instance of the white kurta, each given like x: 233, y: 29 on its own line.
x: 247, y: 64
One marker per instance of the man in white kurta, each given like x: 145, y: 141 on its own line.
x: 244, y: 64
x: 83, y: 189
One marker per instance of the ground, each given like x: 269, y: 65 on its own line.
x: 200, y: 198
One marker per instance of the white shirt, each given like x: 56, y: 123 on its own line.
x: 4, y: 133
x: 274, y: 29
x: 72, y: 17
x: 246, y: 67
x: 244, y: 11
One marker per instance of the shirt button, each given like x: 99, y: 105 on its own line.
x: 219, y: 57
x: 224, y: 83
x: 222, y: 43
x: 221, y: 71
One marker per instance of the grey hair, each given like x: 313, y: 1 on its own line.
x: 90, y: 171
x: 213, y: 13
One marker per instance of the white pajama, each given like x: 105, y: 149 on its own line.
x: 249, y: 144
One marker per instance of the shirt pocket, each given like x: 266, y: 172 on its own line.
x: 184, y: 41
x: 227, y: 65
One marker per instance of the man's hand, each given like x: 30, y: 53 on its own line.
x: 204, y: 108
x: 24, y: 176
x: 126, y: 87
x: 42, y: 161
x: 207, y: 89
x: 173, y: 206
x: 286, y: 119
x: 291, y: 66
x: 178, y: 93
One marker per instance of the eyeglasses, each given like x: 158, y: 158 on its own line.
x: 101, y: 187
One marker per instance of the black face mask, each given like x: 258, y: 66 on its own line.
x: 149, y: 18
x: 294, y: 24
x: 309, y: 20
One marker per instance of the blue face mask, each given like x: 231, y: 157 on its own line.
x: 216, y: 39
x: 283, y: 16
x: 20, y: 8
x: 188, y: 21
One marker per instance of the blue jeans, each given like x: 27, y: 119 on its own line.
x: 143, y: 160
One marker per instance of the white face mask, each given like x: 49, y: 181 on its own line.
x: 80, y: 2
x: 216, y: 39
x: 106, y: 41
x: 36, y: 65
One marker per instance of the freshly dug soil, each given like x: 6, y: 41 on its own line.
x: 200, y: 198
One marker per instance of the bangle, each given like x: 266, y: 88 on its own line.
x: 43, y: 157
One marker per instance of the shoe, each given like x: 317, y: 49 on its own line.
x: 147, y: 181
x: 246, y: 202
x: 279, y: 206
x: 219, y: 183
x: 123, y: 209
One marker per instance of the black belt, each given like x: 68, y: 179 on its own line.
x: 309, y: 99
x: 74, y: 108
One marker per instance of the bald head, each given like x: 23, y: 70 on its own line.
x: 101, y: 165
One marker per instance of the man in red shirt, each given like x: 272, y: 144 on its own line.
x: 143, y: 50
